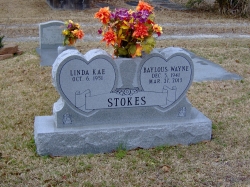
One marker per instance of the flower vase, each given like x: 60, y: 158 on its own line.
x: 128, y: 75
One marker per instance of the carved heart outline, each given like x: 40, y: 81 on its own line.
x: 100, y: 60
x: 169, y: 61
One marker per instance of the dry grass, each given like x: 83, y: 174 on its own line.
x: 26, y: 91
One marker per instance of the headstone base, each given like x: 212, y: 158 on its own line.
x: 103, y: 139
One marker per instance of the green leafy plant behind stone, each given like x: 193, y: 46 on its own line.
x: 1, y: 41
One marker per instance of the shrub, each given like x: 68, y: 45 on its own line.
x: 1, y: 41
x: 239, y: 7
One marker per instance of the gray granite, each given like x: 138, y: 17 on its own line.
x: 50, y: 38
x: 90, y: 83
x: 50, y: 34
x: 140, y: 102
x: 204, y: 69
x: 105, y: 138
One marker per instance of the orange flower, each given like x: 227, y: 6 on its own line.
x: 144, y: 6
x: 78, y: 33
x: 140, y: 31
x: 110, y: 37
x: 103, y: 14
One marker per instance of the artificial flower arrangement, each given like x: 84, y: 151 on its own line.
x: 72, y: 33
x: 129, y: 32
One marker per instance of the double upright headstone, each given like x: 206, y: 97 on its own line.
x: 104, y: 102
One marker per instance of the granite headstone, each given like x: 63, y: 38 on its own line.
x: 50, y: 38
x: 139, y: 102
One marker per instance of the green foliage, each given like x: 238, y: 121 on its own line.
x: 148, y: 45
x: 31, y: 145
x: 1, y: 41
x: 239, y: 7
x: 121, y: 151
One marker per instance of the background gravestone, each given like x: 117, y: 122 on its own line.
x: 101, y: 107
x: 50, y: 37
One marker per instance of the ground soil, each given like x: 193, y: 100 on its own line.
x: 21, y: 18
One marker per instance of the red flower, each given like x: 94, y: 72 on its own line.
x: 140, y: 31
x: 110, y: 37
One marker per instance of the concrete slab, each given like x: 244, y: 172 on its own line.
x: 104, y: 138
x: 48, y: 55
x: 206, y: 70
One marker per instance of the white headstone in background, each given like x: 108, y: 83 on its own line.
x: 50, y: 34
x: 50, y: 38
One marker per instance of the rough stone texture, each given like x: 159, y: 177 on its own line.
x: 106, y: 138
x: 9, y: 49
x: 2, y: 57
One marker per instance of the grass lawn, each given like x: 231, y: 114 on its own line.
x: 26, y: 91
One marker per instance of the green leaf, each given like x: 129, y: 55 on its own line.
x: 147, y: 48
x: 132, y: 49
x: 122, y: 52
x: 151, y: 17
x: 148, y: 45
x: 150, y: 41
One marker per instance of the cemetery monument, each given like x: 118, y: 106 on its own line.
x: 136, y: 99
x: 104, y: 103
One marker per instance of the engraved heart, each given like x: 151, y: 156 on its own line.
x: 172, y: 75
x: 95, y: 81
x: 76, y: 76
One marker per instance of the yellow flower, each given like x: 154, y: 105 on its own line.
x: 65, y: 32
x: 157, y: 29
x: 77, y: 25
